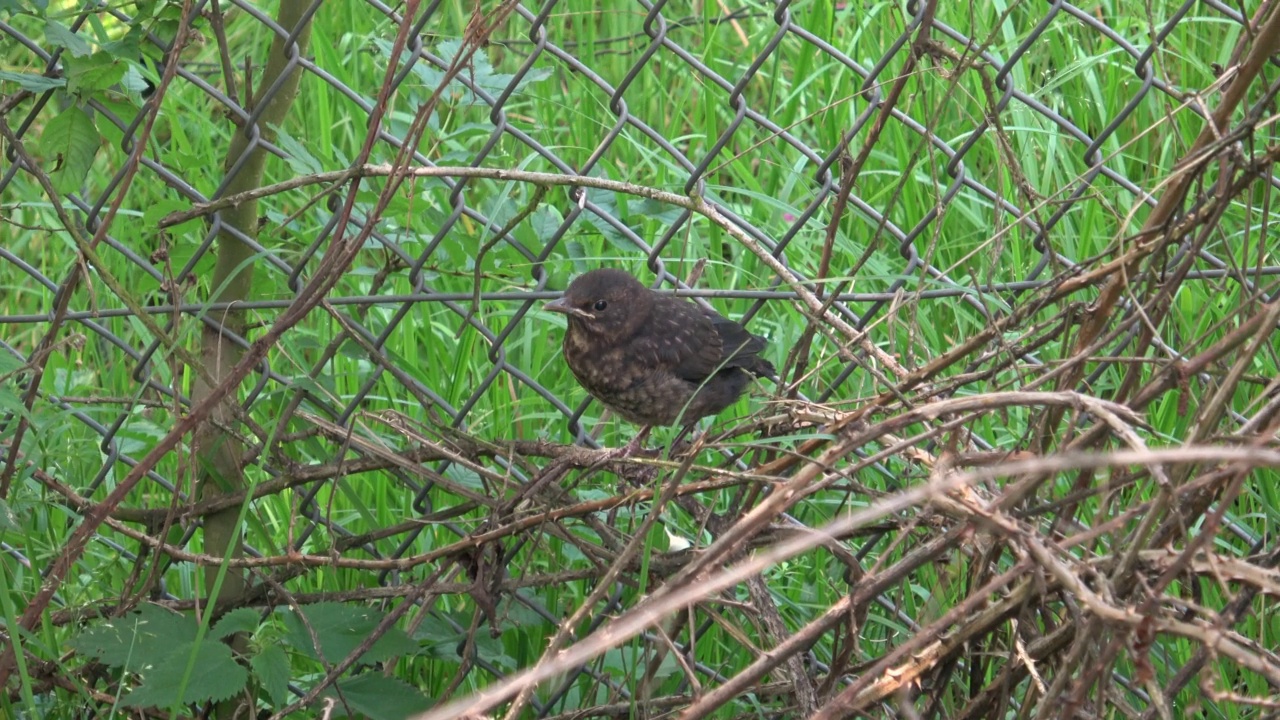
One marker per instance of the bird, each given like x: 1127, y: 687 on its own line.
x: 652, y: 358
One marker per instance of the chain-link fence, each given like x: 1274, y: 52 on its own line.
x: 916, y: 204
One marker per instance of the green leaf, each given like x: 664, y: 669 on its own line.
x: 140, y: 637
x: 157, y: 210
x: 9, y: 363
x: 215, y: 676
x: 60, y: 35
x: 439, y: 638
x: 271, y: 667
x: 380, y: 697
x: 93, y: 74
x: 626, y: 659
x: 167, y: 20
x: 608, y: 203
x: 129, y: 46
x: 158, y: 646
x: 578, y: 254
x: 71, y: 140
x: 465, y: 477
x: 490, y: 649
x: 134, y: 81
x: 665, y: 213
x: 300, y: 159
x: 243, y: 620
x: 340, y: 629
x: 546, y: 219
x: 34, y: 83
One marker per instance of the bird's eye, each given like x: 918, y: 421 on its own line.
x: 600, y: 305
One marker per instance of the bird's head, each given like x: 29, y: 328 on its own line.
x: 606, y: 303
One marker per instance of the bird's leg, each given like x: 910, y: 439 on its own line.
x: 635, y: 446
x: 685, y: 432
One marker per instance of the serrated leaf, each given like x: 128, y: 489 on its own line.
x: 142, y: 636
x: 215, y: 675
x: 89, y: 75
x: 243, y: 620
x: 71, y: 140
x: 134, y: 81
x: 58, y: 34
x: 158, y: 646
x: 271, y: 667
x: 129, y: 46
x: 340, y: 629
x: 608, y: 205
x: 546, y: 220
x: 33, y: 83
x: 380, y: 697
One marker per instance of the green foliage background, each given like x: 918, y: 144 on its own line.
x: 1069, y: 70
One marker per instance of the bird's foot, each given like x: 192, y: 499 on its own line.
x: 633, y: 448
x: 687, y: 439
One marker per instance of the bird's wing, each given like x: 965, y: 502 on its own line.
x: 740, y: 348
x: 696, y: 343
x: 681, y: 338
x: 739, y: 345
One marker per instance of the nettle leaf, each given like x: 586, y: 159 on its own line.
x: 480, y: 72
x: 142, y: 636
x: 134, y: 81
x: 214, y: 675
x: 271, y: 667
x: 129, y: 46
x: 243, y: 620
x: 71, y: 140
x: 95, y: 73
x: 340, y: 629
x: 379, y: 697
x: 159, y: 646
x: 58, y: 34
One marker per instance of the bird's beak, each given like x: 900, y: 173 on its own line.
x: 562, y: 306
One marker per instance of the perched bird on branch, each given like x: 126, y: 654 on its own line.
x: 652, y: 358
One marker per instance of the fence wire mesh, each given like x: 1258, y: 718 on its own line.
x: 915, y: 203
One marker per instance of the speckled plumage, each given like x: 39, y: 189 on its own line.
x: 654, y: 359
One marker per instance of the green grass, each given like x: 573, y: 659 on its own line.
x: 1072, y: 70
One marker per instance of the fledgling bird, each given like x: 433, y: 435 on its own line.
x: 652, y: 358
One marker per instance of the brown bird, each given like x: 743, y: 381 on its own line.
x: 652, y: 358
